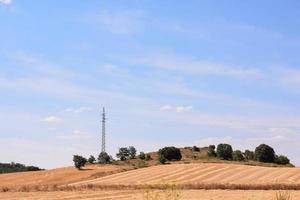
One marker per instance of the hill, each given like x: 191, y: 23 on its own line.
x: 60, y: 176
x: 202, y: 173
x: 115, y: 182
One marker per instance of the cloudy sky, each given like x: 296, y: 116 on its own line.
x: 168, y: 72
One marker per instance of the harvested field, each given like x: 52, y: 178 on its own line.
x: 139, y: 195
x: 59, y: 176
x: 205, y: 173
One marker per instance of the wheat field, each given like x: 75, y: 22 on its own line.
x: 207, y: 173
x: 70, y: 182
x: 140, y: 195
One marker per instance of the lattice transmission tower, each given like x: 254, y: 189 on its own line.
x: 103, y: 130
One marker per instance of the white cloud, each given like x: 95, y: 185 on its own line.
x: 6, y: 2
x: 166, y: 107
x: 78, y: 110
x: 76, y: 134
x: 178, y: 109
x: 52, y: 120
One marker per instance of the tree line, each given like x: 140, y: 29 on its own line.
x: 16, y: 167
x: 262, y: 153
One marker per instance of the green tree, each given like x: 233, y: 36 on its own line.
x: 211, y: 151
x: 91, y: 159
x: 224, y: 151
x: 249, y: 155
x: 132, y: 152
x: 162, y: 159
x: 104, y: 158
x: 282, y: 160
x: 79, y: 161
x: 238, y: 156
x: 264, y: 153
x: 142, y: 156
x: 123, y: 153
x: 170, y: 153
x: 195, y: 148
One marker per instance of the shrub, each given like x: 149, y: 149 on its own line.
x: 104, y: 158
x: 238, y: 155
x: 132, y: 152
x: 211, y: 151
x: 170, y: 153
x: 91, y: 159
x: 249, y: 155
x: 264, y: 153
x: 224, y: 151
x: 282, y: 160
x: 123, y: 154
x: 148, y: 157
x: 142, y: 156
x: 79, y: 161
x: 140, y: 164
x: 162, y: 159
x: 195, y: 148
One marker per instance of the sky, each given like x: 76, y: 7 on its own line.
x: 179, y: 73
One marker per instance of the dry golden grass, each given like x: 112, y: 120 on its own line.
x: 59, y: 176
x: 200, y: 174
x: 121, y: 182
x: 140, y: 195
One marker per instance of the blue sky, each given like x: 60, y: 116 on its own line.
x: 168, y: 72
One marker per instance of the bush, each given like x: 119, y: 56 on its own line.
x: 264, y: 153
x: 104, y: 158
x: 282, y: 160
x: 224, y: 151
x: 211, y: 151
x: 238, y: 156
x: 79, y: 161
x: 140, y: 164
x: 148, y: 157
x: 123, y: 154
x: 132, y: 152
x: 91, y: 159
x: 195, y: 148
x: 170, y: 153
x: 249, y: 155
x: 162, y: 159
x: 142, y: 156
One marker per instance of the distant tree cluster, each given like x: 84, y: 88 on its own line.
x: 126, y: 153
x: 169, y: 154
x: 262, y: 153
x: 16, y: 167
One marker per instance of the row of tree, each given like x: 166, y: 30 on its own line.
x: 262, y: 153
x: 16, y: 167
x: 125, y: 153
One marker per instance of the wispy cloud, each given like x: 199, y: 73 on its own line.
x: 193, y: 66
x: 52, y: 120
x: 125, y: 22
x: 78, y: 110
x: 178, y: 109
x: 76, y: 134
x: 6, y: 2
